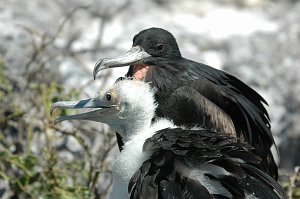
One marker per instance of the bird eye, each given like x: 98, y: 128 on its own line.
x: 108, y: 96
x: 159, y: 47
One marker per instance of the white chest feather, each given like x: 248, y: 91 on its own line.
x: 127, y: 163
x: 132, y: 157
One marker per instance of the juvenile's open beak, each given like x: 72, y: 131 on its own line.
x: 135, y: 55
x: 101, y: 111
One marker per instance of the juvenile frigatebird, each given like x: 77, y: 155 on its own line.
x: 161, y: 160
x: 191, y: 93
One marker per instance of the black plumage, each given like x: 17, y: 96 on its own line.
x: 191, y: 93
x: 177, y: 153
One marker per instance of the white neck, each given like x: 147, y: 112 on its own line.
x: 132, y: 157
x: 137, y: 125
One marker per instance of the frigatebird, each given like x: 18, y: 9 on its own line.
x: 192, y: 93
x: 162, y: 160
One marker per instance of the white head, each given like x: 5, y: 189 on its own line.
x: 128, y: 107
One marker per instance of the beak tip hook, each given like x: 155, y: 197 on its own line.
x: 52, y: 109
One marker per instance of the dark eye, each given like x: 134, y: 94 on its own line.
x: 159, y: 47
x: 108, y: 96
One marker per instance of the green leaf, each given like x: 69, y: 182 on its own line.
x: 4, y: 154
x: 30, y: 161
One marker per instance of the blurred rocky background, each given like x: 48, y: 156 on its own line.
x: 47, y: 53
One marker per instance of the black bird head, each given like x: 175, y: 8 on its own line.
x: 147, y: 44
x: 157, y: 42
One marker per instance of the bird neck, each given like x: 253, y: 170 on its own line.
x: 135, y: 127
x: 130, y: 125
x: 132, y: 156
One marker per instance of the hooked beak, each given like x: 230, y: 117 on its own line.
x: 135, y: 55
x: 95, y: 115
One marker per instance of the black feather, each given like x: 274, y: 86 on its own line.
x: 178, y: 153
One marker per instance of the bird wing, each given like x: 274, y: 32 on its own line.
x: 197, y: 109
x: 200, y: 164
x: 227, y: 91
x: 240, y: 102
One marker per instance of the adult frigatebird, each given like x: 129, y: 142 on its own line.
x: 191, y: 93
x: 161, y: 160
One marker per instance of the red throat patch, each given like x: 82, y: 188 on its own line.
x: 139, y: 71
